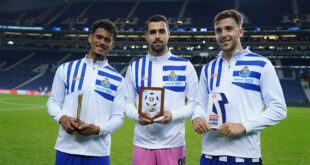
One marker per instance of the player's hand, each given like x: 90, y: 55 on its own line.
x: 167, y: 118
x: 68, y: 123
x: 89, y: 129
x: 200, y: 125
x: 144, y: 121
x: 231, y: 129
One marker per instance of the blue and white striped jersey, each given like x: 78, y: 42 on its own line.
x: 179, y: 79
x: 102, y: 105
x: 249, y: 83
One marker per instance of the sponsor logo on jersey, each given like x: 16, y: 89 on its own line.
x: 245, y: 72
x: 77, y: 78
x: 214, y: 75
x: 145, y: 78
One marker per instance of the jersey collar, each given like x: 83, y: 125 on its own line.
x: 237, y: 53
x: 98, y: 62
x: 159, y: 59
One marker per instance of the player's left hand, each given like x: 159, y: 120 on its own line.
x: 89, y: 129
x: 167, y: 118
x: 231, y: 129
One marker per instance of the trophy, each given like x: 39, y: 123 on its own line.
x: 151, y: 102
x: 80, y: 96
x: 216, y: 109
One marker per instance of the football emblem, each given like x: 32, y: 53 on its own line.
x: 151, y: 102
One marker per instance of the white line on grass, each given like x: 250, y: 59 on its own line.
x: 5, y: 102
x: 24, y: 108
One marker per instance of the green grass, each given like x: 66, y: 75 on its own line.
x: 28, y: 135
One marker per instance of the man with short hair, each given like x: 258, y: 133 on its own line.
x: 160, y: 142
x: 101, y: 113
x: 239, y: 84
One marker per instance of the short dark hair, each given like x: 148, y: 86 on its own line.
x: 156, y: 18
x: 107, y: 24
x: 237, y: 16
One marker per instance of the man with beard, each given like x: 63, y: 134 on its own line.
x: 160, y: 142
x: 237, y: 85
x: 92, y: 83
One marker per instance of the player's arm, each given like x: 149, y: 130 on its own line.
x: 199, y: 122
x: 273, y: 98
x: 130, y: 110
x: 190, y: 92
x: 55, y: 102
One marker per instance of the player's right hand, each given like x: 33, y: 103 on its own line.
x: 68, y: 124
x: 200, y: 125
x: 144, y: 121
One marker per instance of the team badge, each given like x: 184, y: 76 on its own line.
x: 106, y: 83
x: 172, y: 76
x: 245, y: 72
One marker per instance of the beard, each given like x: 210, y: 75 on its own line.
x: 158, y: 50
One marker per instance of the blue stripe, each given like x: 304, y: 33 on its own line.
x: 175, y: 88
x: 206, y: 74
x: 106, y: 96
x: 68, y: 75
x: 82, y: 77
x: 172, y: 58
x: 219, y: 73
x: 136, y: 75
x: 180, y: 78
x: 149, y: 82
x: 253, y: 74
x: 143, y: 71
x: 222, y: 105
x: 101, y: 73
x: 112, y: 86
x: 252, y: 87
x: 255, y: 63
x: 75, y: 74
x: 253, y: 55
x: 212, y: 73
x: 169, y: 67
x: 110, y: 68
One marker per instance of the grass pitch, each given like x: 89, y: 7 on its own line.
x: 28, y: 135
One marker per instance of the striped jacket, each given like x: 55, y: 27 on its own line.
x: 103, y: 95
x: 246, y: 84
x: 179, y: 79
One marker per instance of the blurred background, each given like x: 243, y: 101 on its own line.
x: 36, y: 36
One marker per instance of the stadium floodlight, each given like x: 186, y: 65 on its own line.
x: 203, y: 29
x: 57, y: 28
x: 10, y: 43
x: 193, y: 29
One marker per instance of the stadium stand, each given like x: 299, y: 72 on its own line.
x: 43, y: 38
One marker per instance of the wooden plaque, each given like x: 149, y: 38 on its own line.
x: 151, y: 102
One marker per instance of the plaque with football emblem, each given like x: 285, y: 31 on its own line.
x: 151, y: 102
x: 216, y: 109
